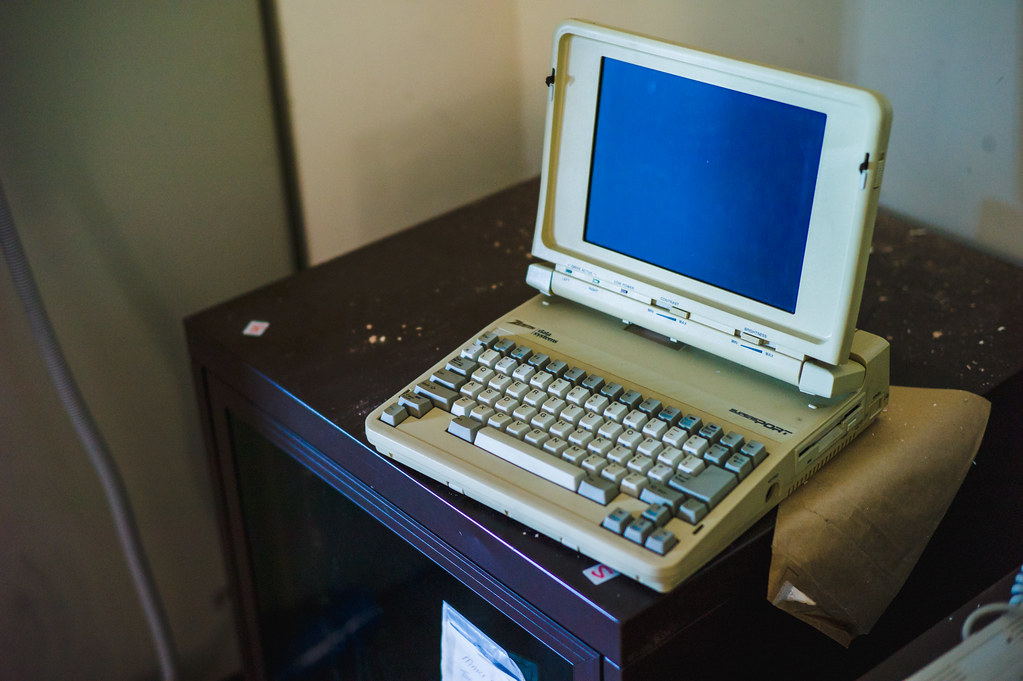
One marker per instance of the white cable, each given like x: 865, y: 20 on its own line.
x: 92, y: 440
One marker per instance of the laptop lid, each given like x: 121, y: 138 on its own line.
x: 734, y: 200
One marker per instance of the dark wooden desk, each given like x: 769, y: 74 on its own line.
x: 345, y: 335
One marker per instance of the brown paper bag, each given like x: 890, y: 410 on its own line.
x: 845, y: 542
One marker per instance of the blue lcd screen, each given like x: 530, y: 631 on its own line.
x: 707, y: 182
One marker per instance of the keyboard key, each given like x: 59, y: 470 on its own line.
x: 614, y: 473
x: 560, y: 388
x: 600, y: 446
x: 543, y: 421
x: 709, y: 486
x: 556, y: 368
x: 521, y: 353
x: 655, y: 428
x: 740, y: 465
x: 506, y: 405
x: 488, y: 339
x: 462, y: 406
x: 640, y: 464
x: 483, y: 374
x: 500, y: 382
x: 449, y: 379
x: 489, y: 397
x: 482, y: 413
x: 464, y: 427
x: 461, y: 365
x: 394, y: 414
x: 616, y: 412
x: 675, y: 437
x: 635, y: 419
x: 596, y: 488
x: 472, y: 352
x: 671, y: 456
x: 489, y: 358
x: 634, y: 483
x: 518, y: 429
x: 696, y: 445
x: 617, y: 520
x: 539, y: 360
x: 535, y: 397
x: 523, y: 372
x: 610, y: 430
x: 733, y: 441
x: 754, y: 450
x: 562, y: 429
x: 574, y: 455
x: 592, y: 383
x: 631, y: 439
x: 660, y: 473
x: 415, y: 404
x: 656, y: 493
x: 717, y: 455
x: 499, y: 421
x: 612, y: 390
x: 541, y: 380
x: 441, y: 396
x: 573, y: 414
x: 620, y: 455
x: 630, y: 398
x: 661, y: 541
x: 554, y: 406
x: 712, y: 433
x: 591, y: 422
x: 638, y: 530
x: 580, y: 437
x: 670, y: 415
x: 650, y: 406
x: 551, y: 468
x: 536, y: 437
x: 691, y: 465
x: 472, y: 389
x: 691, y: 423
x: 517, y: 390
x: 649, y: 447
x: 504, y: 345
x: 575, y: 376
x: 578, y: 396
x: 658, y: 514
x: 692, y: 511
x: 597, y: 403
x: 525, y: 413
x: 555, y: 446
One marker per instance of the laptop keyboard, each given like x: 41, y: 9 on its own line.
x: 595, y: 437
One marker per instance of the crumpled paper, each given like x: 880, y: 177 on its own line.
x: 845, y: 542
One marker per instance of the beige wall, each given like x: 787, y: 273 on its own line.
x: 403, y: 109
x: 137, y: 152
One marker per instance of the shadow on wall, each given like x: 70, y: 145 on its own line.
x: 954, y: 75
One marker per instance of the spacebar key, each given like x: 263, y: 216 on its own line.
x: 526, y: 456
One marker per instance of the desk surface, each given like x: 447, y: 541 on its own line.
x: 346, y: 335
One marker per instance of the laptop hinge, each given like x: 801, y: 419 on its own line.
x: 743, y: 346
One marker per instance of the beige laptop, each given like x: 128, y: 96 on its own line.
x: 704, y: 225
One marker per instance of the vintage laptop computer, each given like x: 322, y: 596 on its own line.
x: 692, y: 358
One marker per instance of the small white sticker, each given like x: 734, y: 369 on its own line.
x: 255, y: 328
x: 598, y: 574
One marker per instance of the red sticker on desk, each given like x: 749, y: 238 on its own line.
x: 598, y: 574
x: 255, y: 328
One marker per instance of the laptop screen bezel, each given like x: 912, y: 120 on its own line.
x: 837, y: 239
